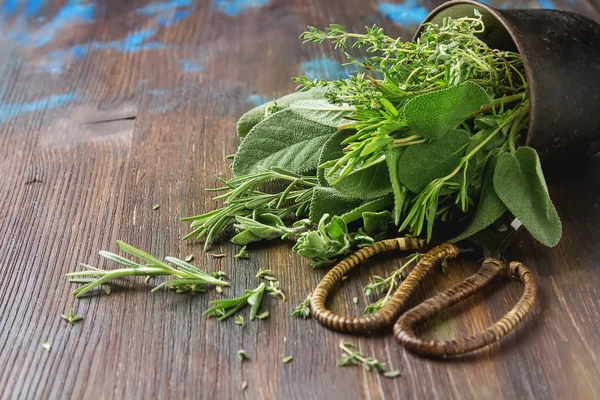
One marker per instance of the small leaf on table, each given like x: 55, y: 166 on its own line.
x: 520, y: 184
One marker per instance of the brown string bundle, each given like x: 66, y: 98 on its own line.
x: 404, y: 326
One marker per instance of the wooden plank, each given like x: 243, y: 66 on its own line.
x: 101, y: 122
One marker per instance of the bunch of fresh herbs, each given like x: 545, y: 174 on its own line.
x: 429, y: 131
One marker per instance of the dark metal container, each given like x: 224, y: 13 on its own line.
x: 561, y: 55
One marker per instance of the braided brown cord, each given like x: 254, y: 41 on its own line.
x: 388, y: 314
x: 491, y: 268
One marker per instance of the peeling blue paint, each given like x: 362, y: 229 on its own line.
x: 10, y: 7
x: 411, y: 12
x: 10, y: 111
x: 168, y: 13
x: 190, y: 66
x: 73, y: 11
x: 177, y: 16
x: 134, y: 42
x: 257, y: 99
x: 326, y: 68
x: 235, y: 7
x: 155, y: 8
x: 33, y: 7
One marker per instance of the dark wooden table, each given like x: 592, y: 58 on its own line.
x: 110, y: 107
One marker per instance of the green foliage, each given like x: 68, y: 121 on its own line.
x: 329, y: 241
x: 285, y: 140
x: 422, y: 163
x: 490, y: 208
x: 450, y: 106
x: 519, y: 183
x: 366, y: 183
x: 257, y: 114
x: 322, y: 111
x: 401, y: 194
x: 303, y: 309
x: 186, y: 276
x: 415, y: 90
x: 327, y: 200
x: 244, y: 198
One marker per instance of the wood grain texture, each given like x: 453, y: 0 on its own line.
x: 71, y: 185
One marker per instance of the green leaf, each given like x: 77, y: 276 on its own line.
x: 376, y: 222
x: 322, y: 111
x: 257, y: 114
x: 422, y: 163
x: 285, y: 140
x: 373, y: 206
x: 520, y: 184
x: 368, y: 183
x: 328, y: 200
x: 400, y: 191
x: 490, y: 207
x: 433, y: 114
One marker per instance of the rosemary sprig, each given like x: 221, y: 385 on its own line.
x: 187, y: 277
x: 352, y: 356
x: 379, y: 284
x: 245, y: 199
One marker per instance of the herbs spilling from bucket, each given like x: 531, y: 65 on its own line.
x: 428, y: 132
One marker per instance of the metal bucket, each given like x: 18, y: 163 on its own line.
x: 561, y: 55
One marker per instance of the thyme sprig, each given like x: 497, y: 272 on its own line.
x: 186, y: 276
x: 245, y: 201
x: 352, y: 356
x: 445, y: 55
x: 303, y: 309
x: 379, y: 284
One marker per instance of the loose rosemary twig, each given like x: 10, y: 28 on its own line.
x: 352, y: 356
x: 389, y: 284
x: 187, y: 277
x: 244, y: 200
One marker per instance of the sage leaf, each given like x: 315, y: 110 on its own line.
x: 364, y: 183
x: 322, y: 111
x: 519, y: 183
x: 376, y: 222
x: 327, y: 200
x: 433, y: 114
x: 490, y: 208
x: 373, y: 206
x: 285, y: 140
x: 248, y: 120
x: 400, y: 191
x: 422, y: 163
